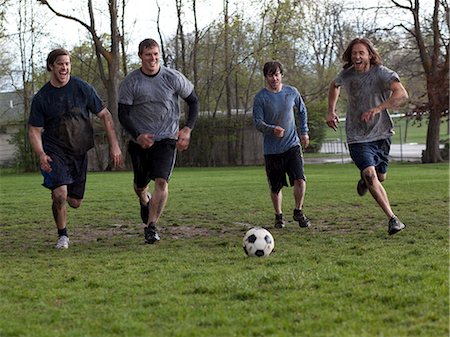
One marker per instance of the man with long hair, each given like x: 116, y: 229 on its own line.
x: 372, y: 89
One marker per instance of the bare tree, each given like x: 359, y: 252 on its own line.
x: 196, y: 44
x: 434, y: 57
x: 158, y: 27
x: 180, y: 38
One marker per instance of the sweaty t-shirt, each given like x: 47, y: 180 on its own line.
x: 154, y: 101
x: 64, y: 114
x: 365, y: 91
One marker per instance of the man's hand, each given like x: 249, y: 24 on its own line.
x: 278, y: 131
x: 333, y: 120
x: 146, y: 140
x: 368, y: 115
x: 184, y: 138
x: 304, y: 139
x: 116, y: 156
x: 45, y: 161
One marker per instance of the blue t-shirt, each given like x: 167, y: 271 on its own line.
x: 64, y: 114
x: 154, y: 101
x: 365, y: 91
x: 271, y: 109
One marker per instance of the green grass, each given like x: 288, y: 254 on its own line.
x: 410, y: 131
x: 343, y: 277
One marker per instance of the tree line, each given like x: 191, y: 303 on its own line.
x: 224, y: 58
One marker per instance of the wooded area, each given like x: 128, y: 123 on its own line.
x: 224, y: 58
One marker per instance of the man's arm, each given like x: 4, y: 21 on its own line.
x: 333, y: 95
x: 35, y: 136
x: 398, y: 97
x: 184, y: 135
x: 125, y: 120
x: 303, y: 120
x: 108, y: 125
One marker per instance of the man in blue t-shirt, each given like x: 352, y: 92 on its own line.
x: 61, y: 133
x: 371, y: 89
x: 149, y: 111
x: 273, y: 116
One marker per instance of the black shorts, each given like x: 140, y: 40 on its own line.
x: 67, y: 170
x: 156, y: 162
x: 278, y: 165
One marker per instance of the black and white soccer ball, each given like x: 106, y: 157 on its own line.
x: 258, y: 242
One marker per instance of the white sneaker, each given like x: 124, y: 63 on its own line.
x: 63, y: 242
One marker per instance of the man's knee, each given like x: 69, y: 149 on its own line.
x: 381, y: 177
x: 161, y: 184
x: 59, y: 196
x: 74, y: 203
x: 370, y: 177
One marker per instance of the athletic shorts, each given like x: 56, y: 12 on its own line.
x: 374, y: 153
x: 278, y: 165
x: 155, y: 162
x: 67, y: 170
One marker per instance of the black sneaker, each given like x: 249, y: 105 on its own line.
x: 151, y: 236
x: 361, y: 188
x: 395, y: 225
x: 279, y: 221
x: 145, y: 209
x: 303, y: 221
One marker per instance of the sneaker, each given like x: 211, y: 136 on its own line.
x: 361, y: 188
x: 279, y: 221
x: 150, y: 234
x: 63, y: 242
x: 145, y: 210
x: 303, y: 221
x: 395, y: 225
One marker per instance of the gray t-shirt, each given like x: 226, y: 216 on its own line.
x: 154, y: 101
x: 365, y: 91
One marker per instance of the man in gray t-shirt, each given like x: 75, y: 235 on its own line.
x: 149, y: 111
x: 371, y: 90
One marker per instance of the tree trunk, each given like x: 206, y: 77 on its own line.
x: 432, y: 153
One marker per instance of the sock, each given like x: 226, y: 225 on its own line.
x: 62, y: 232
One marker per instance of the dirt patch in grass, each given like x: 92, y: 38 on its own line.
x: 86, y: 234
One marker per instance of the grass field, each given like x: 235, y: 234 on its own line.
x: 343, y: 277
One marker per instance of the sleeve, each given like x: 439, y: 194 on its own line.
x: 192, y: 101
x: 126, y: 121
x: 36, y: 113
x: 95, y: 104
x: 302, y: 115
x: 184, y: 87
x: 338, y: 81
x: 389, y: 76
x: 258, y: 116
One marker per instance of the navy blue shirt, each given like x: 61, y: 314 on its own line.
x: 64, y: 114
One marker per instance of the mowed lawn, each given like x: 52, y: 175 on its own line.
x: 345, y: 276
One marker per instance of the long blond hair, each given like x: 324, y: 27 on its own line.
x: 347, y: 56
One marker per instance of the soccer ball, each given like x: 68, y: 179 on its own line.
x: 258, y: 242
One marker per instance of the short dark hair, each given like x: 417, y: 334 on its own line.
x: 54, y: 54
x: 271, y: 68
x: 147, y: 43
x: 347, y: 56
